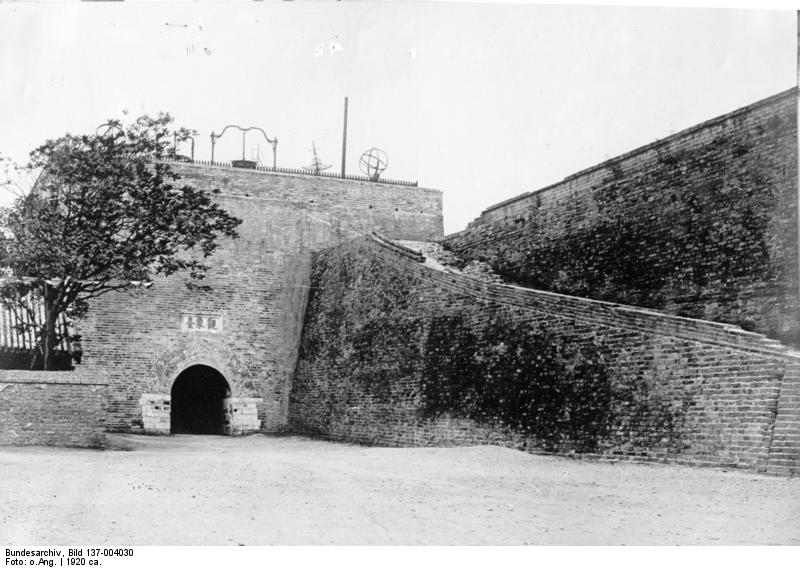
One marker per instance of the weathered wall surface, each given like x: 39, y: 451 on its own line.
x: 139, y: 342
x: 397, y: 211
x: 52, y: 408
x: 702, y: 224
x: 399, y: 353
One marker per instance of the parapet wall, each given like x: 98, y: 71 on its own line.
x: 52, y: 408
x: 398, y: 211
x: 701, y: 224
x: 398, y: 351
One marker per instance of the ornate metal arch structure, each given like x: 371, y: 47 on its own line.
x: 272, y: 141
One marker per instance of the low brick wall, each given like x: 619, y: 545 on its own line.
x: 396, y: 352
x: 52, y: 408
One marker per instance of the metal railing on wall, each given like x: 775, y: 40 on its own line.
x: 298, y: 171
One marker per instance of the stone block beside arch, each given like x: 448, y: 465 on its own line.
x: 155, y: 413
x: 241, y: 416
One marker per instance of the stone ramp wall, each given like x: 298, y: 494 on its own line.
x: 396, y: 351
x: 52, y: 408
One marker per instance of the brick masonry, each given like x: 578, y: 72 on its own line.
x: 701, y: 224
x: 138, y: 341
x: 784, y: 455
x: 52, y: 408
x: 676, y: 390
x: 333, y: 333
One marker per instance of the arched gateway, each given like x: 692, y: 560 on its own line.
x: 198, y: 401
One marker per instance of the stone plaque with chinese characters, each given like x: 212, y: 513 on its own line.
x: 210, y: 323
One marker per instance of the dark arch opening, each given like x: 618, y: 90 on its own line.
x: 197, y: 401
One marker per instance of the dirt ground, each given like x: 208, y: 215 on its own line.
x: 258, y: 490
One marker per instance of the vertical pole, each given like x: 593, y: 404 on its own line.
x: 344, y: 138
x: 212, y: 148
x: 243, y: 134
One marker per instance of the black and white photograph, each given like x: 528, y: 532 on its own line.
x: 407, y: 274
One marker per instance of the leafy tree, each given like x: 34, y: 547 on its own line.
x: 105, y: 213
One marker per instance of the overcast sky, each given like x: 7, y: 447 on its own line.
x: 481, y: 101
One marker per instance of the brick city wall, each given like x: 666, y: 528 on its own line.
x: 395, y: 352
x: 138, y: 342
x: 348, y: 206
x: 701, y: 224
x: 51, y: 408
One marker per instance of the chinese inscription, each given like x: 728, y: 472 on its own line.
x: 201, y: 322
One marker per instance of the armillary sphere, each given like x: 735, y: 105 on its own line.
x: 373, y: 162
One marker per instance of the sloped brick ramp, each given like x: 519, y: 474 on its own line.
x: 737, y: 392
